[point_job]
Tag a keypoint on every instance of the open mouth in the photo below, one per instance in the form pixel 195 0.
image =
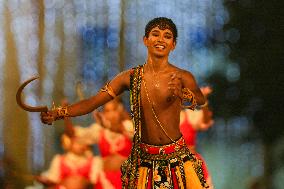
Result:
pixel 160 47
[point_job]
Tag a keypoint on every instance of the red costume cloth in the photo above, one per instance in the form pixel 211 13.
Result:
pixel 70 165
pixel 189 134
pixel 121 145
pixel 83 170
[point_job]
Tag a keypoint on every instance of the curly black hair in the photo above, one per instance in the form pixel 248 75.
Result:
pixel 162 23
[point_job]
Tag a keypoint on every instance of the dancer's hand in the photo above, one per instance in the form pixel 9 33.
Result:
pixel 207 90
pixel 48 117
pixel 175 85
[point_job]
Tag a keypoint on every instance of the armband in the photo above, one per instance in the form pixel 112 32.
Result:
pixel 188 99
pixel 109 90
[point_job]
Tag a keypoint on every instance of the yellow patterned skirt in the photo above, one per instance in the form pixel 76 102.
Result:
pixel 170 166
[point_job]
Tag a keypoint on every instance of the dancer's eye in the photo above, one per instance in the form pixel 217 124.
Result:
pixel 168 36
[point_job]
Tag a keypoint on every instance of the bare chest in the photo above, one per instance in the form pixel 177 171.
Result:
pixel 154 90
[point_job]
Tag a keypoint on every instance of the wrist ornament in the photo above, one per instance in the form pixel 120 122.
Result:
pixel 61 112
pixel 188 99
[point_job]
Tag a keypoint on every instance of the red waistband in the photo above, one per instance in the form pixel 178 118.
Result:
pixel 164 149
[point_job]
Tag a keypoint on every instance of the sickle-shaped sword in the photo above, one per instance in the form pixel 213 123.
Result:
pixel 22 104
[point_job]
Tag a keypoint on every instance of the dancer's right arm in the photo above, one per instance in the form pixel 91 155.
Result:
pixel 119 84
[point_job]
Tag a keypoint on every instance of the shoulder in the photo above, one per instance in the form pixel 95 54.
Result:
pixel 187 78
pixel 124 74
pixel 180 71
pixel 131 70
pixel 185 75
pixel 56 159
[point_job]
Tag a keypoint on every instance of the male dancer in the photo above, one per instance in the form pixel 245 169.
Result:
pixel 158 92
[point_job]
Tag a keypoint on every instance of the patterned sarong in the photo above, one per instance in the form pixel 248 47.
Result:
pixel 170 166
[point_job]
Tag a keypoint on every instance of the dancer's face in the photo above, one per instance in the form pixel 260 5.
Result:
pixel 112 112
pixel 160 42
pixel 77 147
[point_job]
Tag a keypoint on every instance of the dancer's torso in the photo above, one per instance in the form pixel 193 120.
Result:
pixel 166 107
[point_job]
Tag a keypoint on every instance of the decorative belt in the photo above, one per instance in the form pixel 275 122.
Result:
pixel 164 149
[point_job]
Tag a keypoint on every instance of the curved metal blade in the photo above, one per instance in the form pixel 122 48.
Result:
pixel 23 105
